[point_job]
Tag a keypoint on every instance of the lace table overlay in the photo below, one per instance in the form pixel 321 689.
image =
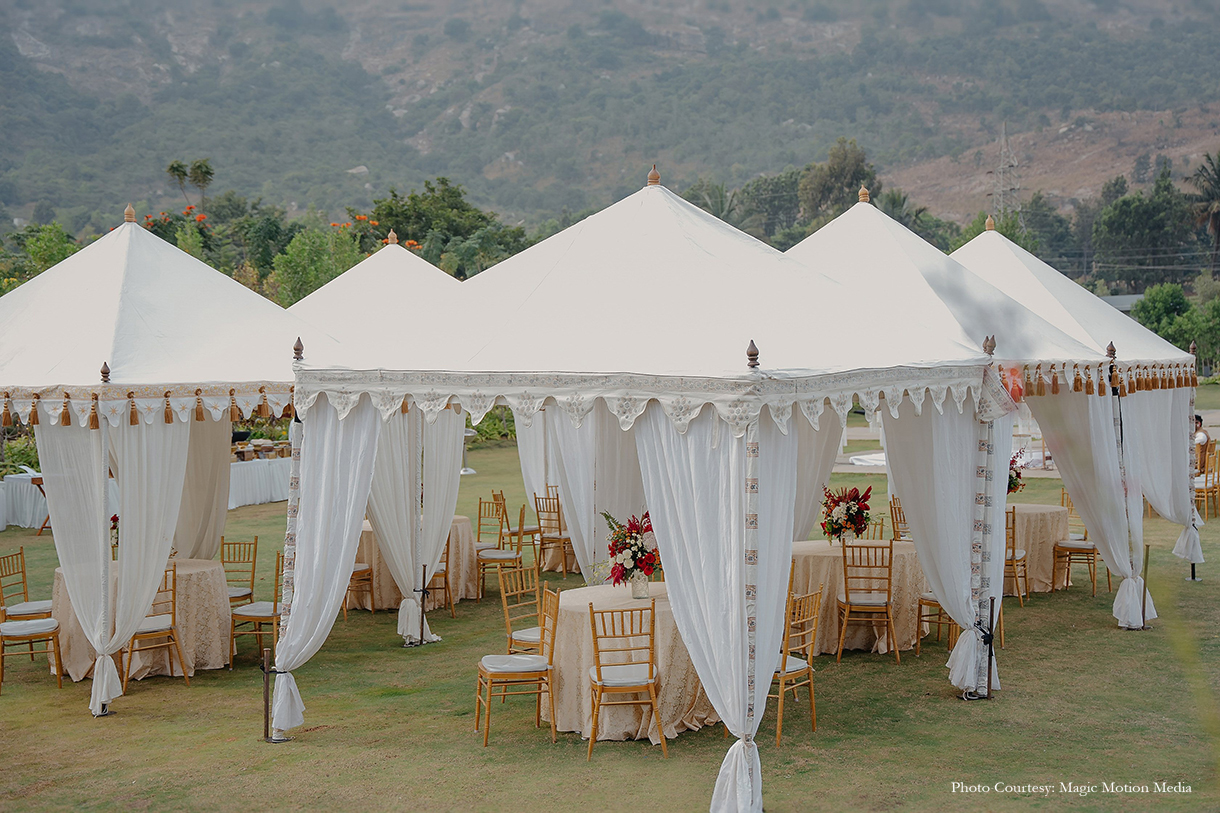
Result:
pixel 1039 527
pixel 387 596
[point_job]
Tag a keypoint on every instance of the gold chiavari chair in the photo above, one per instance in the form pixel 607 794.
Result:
pixel 15 593
pixel 1016 566
pixel 499 674
pixel 497 557
pixel 509 529
pixel 876 530
pixel 552 535
pixel 239 559
pixel 258 614
pixel 864 568
pixel 620 640
pixel 521 597
pixel 1076 527
pixel 159 629
pixel 931 613
pixel 1207 483
pixel 1075 550
pixel 489 533
pixel 898 521
pixel 28 631
pixel 796 654
pixel 552 491
pixel 440 582
pixel 361 581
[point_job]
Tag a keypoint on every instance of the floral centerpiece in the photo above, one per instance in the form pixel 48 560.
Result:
pixel 114 530
pixel 633 552
pixel 1015 483
pixel 844 511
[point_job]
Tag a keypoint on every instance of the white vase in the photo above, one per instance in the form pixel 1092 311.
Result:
pixel 639 584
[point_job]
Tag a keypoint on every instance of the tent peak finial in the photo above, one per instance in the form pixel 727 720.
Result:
pixel 105 373
pixel 752 355
pixel 129 214
pixel 990 224
pixel 1194 349
pixel 863 194
pixel 298 350
pixel 654 177
pixel 1111 353
pixel 392 238
pixel 989 345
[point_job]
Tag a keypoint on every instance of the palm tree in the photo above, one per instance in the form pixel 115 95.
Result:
pixel 896 204
pixel 201 177
pixel 178 173
pixel 1206 204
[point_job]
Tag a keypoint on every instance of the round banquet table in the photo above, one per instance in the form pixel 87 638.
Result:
pixel 203 624
pixel 464 570
pixel 816 561
pixel 1039 527
pixel 681 701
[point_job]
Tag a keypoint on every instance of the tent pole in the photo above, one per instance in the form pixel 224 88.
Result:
pixel 1144 595
pixel 266 694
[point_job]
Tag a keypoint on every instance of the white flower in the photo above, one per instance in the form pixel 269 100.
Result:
pixel 840 513
pixel 650 541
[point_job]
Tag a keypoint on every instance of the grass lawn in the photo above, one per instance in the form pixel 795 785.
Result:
pixel 1207 397
pixel 389 728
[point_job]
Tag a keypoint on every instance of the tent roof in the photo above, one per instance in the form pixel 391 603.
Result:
pixel 1070 307
pixel 379 299
pixel 651 295
pixel 159 318
pixel 899 266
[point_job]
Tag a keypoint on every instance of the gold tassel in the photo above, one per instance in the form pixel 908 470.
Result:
pixel 65 417
pixel 1088 381
pixel 1194 376
pixel 264 409
pixel 1102 390
pixel 289 410
pixel 404 405
pixel 34 411
pixel 1137 380
pixel 133 414
pixel 1077 384
pixel 1029 381
pixel 234 412
pixel 198 405
pixel 1122 384
pixel 6 418
pixel 1178 378
pixel 1041 385
pixel 93 421
pixel 1055 379
pixel 169 411
pixel 1153 380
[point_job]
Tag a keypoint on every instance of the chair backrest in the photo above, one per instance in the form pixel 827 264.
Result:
pixel 165 601
pixel 13 589
pixel 1010 531
pixel 802 628
pixel 550 523
pixel 491 521
pixel 1211 471
pixel 1075 523
pixel 279 580
pixel 624 636
pixel 552 491
pixel 521 596
pixel 867 566
pixel 521 533
pixel 876 529
pixel 549 622
pixel 898 520
pixel 239 559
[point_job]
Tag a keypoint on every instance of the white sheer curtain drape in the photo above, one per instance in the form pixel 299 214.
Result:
pixel 532 451
pixel 617 485
pixel 816 453
pixel 337 461
pixel 1161 426
pixel 1081 433
pixel 728 598
pixel 205 493
pixel 574 473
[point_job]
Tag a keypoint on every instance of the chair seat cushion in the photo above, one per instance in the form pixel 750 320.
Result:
pixel 1077 537
pixel 28 608
pixel 440 570
pixel 557 539
pixel 627 674
pixel 360 567
pixel 240 592
pixel 513 663
pixel 498 555
pixel 533 635
pixel 482 546
pixel 868 599
pixel 1075 544
pixel 1019 553
pixel 929 596
pixel 792 665
pixel 1201 482
pixel 259 609
pixel 36 626
pixel 155 623
pixel 529 529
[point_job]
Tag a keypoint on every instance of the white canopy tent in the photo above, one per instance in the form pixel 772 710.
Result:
pixel 132 356
pixel 646 310
pixel 1159 417
pixel 1029 347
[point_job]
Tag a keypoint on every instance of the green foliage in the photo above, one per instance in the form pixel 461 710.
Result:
pixel 496 429
pixel 1206 203
pixel 19 451
pixel 720 201
pixel 1008 224
pixel 48 245
pixel 828 189
pixel 1140 239
pixel 1051 231
pixel 190 240
pixel 1161 305
pixel 775 199
pixel 312 259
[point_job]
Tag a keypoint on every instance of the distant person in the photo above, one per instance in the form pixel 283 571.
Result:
pixel 1202 440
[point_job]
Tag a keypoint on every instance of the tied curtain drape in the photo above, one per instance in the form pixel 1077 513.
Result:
pixel 1081 432
pixel 1162 424
pixel 205 494
pixel 408 538
pixel 336 472
pixel 151 464
pixel 722 509
pixel 816 453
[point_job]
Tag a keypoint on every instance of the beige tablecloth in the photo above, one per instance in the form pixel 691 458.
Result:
pixel 681 701
pixel 551 561
pixel 1039 527
pixel 386 595
pixel 203 625
pixel 817 562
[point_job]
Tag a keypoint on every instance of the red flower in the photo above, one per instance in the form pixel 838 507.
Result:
pixel 200 218
pixel 335 224
pixel 362 217
pixel 374 222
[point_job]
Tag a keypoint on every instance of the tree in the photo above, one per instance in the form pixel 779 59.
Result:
pixel 1144 239
pixel 1008 224
pixel 43 213
pixel 190 240
pixel 178 173
pixel 1051 230
pixel 200 175
pixel 1142 168
pixel 312 259
pixel 827 190
pixel 1160 307
pixel 776 199
pixel 1206 204
pixel 48 245
pixel 719 201
pixel 898 205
